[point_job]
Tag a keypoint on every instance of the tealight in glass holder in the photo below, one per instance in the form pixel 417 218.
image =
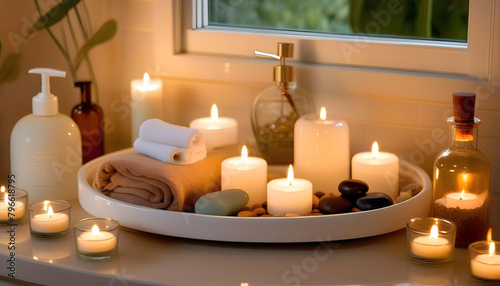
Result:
pixel 485 260
pixel 430 240
pixel 96 238
pixel 13 205
pixel 50 218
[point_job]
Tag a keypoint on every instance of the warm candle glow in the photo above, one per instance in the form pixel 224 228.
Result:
pixel 489 236
pixel 214 113
pixel 322 113
pixel 45 204
pixel 50 212
pixel 375 149
pixel 146 80
pixel 6 199
pixel 2 189
pixel 244 154
pixel 289 178
pixel 434 232
pixel 95 230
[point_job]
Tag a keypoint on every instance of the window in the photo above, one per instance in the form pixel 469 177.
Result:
pixel 471 58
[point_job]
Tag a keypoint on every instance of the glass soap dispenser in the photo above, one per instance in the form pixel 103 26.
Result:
pixel 89 118
pixel 275 110
pixel 462 176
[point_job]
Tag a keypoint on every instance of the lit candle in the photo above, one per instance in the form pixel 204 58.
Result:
pixel 15 208
pixel 146 102
pixel 246 173
pixel 431 246
pixel 380 170
pixel 463 200
pixel 321 151
pixel 50 222
pixel 486 266
pixel 289 195
pixel 217 131
pixel 96 241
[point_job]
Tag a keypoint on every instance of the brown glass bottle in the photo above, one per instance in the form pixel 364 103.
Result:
pixel 462 176
pixel 89 118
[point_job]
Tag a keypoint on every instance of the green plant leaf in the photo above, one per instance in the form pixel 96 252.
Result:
pixel 10 68
pixel 56 14
pixel 106 32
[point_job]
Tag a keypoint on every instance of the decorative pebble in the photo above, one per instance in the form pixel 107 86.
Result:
pixel 260 211
pixel 247 214
pixel 315 201
pixel 355 209
pixel 403 196
pixel 353 189
pixel 373 201
pixel 266 215
pixel 315 210
pixel 291 214
pixel 246 209
pixel 256 206
pixel 335 205
pixel 319 194
pixel 227 202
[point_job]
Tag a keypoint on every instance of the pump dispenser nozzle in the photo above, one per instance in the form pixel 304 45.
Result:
pixel 45 103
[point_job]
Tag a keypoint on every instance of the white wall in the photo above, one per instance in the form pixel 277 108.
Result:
pixel 400 120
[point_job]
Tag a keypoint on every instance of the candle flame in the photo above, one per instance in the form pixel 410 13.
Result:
pixel 146 80
pixel 244 154
pixel 489 236
pixel 434 232
pixel 462 195
pixel 322 113
pixel 50 212
pixel 95 230
pixel 214 113
pixel 2 189
pixel 375 149
pixel 289 178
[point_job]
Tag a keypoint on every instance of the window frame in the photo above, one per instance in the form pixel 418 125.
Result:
pixel 184 49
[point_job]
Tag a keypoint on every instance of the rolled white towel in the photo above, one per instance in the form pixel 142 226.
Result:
pixel 159 131
pixel 170 154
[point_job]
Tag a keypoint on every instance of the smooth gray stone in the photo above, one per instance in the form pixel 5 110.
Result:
pixel 334 205
pixel 226 202
pixel 353 189
pixel 373 201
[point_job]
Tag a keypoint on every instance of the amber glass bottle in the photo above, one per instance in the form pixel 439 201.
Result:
pixel 89 118
pixel 462 176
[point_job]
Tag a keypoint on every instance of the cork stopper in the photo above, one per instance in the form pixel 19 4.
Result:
pixel 463 107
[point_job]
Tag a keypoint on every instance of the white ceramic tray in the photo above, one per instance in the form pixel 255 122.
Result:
pixel 255 229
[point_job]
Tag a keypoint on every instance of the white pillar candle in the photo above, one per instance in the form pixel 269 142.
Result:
pixel 217 131
pixel 96 241
pixel 289 195
pixel 10 210
pixel 146 102
pixel 321 151
pixel 431 246
pixel 380 170
pixel 486 266
pixel 246 173
pixel 50 222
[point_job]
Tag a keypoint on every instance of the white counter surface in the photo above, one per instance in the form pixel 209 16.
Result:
pixel 148 259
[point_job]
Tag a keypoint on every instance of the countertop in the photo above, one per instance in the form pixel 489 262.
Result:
pixel 149 259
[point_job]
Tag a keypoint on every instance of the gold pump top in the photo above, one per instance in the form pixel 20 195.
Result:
pixel 282 72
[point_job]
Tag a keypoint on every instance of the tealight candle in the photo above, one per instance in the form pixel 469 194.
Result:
pixel 146 102
pixel 289 195
pixel 49 218
pixel 485 259
pixel 13 205
pixel 96 238
pixel 246 173
pixel 380 170
pixel 430 240
pixel 321 150
pixel 217 131
pixel 463 200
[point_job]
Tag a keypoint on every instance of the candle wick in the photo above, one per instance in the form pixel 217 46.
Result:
pixel 461 198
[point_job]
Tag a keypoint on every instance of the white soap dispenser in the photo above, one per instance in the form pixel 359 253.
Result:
pixel 45 148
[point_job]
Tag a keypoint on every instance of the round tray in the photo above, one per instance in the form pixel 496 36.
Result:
pixel 256 229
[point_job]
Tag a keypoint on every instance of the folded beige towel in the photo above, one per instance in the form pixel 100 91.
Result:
pixel 169 153
pixel 141 180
